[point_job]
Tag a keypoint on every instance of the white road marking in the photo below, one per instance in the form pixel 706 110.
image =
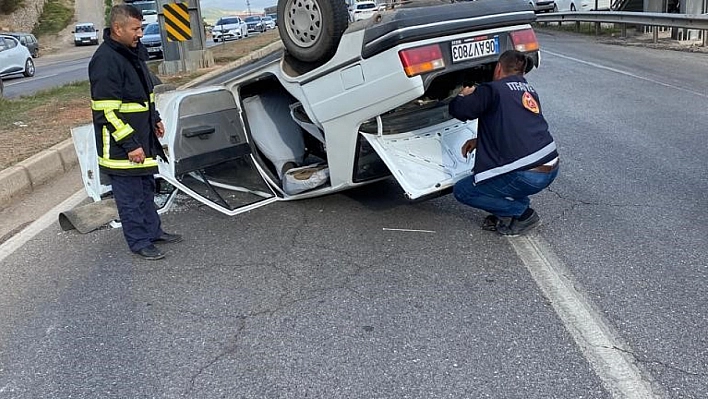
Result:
pixel 409 230
pixel 608 355
pixel 630 74
pixel 46 220
pixel 33 79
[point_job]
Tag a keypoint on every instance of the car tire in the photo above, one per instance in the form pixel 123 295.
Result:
pixel 29 68
pixel 311 29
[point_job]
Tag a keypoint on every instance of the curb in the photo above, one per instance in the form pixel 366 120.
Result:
pixel 23 177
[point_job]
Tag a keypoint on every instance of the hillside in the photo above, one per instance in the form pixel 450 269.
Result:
pixel 24 18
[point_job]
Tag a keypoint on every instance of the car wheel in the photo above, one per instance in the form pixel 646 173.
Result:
pixel 311 29
pixel 29 68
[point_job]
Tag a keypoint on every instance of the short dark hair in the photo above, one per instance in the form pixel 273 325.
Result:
pixel 121 12
pixel 515 62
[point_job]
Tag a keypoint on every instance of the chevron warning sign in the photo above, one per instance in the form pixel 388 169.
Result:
pixel 177 22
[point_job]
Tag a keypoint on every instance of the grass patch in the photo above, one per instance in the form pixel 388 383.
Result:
pixel 34 123
pixel 21 109
pixel 55 17
pixel 606 29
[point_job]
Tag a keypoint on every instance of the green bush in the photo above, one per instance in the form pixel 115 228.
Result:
pixel 9 6
pixel 108 4
pixel 54 18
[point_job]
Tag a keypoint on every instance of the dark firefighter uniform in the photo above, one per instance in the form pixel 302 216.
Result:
pixel 512 132
pixel 124 118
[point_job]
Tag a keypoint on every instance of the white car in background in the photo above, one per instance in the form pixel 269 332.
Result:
pixel 15 58
pixel 85 33
pixel 231 27
pixel 269 22
pixel 589 5
pixel 362 10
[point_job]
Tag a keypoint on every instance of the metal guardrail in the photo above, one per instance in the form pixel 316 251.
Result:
pixel 624 18
pixel 688 21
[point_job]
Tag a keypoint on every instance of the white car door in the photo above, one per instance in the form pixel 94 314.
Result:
pixel 427 160
pixel 210 156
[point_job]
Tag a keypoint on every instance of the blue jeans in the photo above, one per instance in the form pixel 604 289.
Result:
pixel 506 195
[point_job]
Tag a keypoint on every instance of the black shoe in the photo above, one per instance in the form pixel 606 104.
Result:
pixel 150 253
pixel 493 222
pixel 167 238
pixel 517 227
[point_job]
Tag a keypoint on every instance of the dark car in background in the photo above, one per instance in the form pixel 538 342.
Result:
pixel 26 39
pixel 152 40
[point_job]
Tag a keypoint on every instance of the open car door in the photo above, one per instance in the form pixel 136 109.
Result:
pixel 210 156
pixel 427 160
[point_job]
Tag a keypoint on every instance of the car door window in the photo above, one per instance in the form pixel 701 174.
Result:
pixel 3 46
pixel 9 43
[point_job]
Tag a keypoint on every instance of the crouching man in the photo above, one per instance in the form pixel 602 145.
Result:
pixel 516 155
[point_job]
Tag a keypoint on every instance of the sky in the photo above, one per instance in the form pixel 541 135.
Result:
pixel 237 5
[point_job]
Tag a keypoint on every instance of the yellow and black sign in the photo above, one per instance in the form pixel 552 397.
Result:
pixel 177 22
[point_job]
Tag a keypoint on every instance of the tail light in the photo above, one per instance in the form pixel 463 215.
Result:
pixel 421 59
pixel 524 40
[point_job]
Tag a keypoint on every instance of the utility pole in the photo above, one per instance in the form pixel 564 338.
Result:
pixel 248 5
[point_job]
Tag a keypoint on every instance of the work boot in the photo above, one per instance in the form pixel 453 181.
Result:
pixel 166 238
pixel 492 222
pixel 518 226
pixel 150 253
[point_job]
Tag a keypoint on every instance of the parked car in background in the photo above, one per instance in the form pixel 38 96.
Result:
pixel 362 10
pixel 255 23
pixel 567 5
pixel 275 18
pixel 28 40
pixel 269 22
pixel 85 33
pixel 231 27
pixel 543 5
pixel 15 58
pixel 589 5
pixel 152 40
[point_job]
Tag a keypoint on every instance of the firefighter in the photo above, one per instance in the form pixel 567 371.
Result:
pixel 516 155
pixel 127 128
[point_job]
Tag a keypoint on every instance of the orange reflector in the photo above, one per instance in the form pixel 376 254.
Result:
pixel 524 40
pixel 421 59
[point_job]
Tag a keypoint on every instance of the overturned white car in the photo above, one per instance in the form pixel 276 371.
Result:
pixel 291 129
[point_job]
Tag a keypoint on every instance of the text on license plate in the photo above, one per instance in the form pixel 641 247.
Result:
pixel 467 50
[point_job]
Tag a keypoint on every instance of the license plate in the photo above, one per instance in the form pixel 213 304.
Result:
pixel 154 49
pixel 467 49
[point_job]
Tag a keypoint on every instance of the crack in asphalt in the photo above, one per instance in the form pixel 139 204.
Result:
pixel 227 351
pixel 660 363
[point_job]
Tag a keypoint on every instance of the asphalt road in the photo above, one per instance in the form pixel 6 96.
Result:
pixel 327 298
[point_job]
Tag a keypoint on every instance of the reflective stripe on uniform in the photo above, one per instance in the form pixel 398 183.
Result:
pixel 106 139
pixel 112 105
pixel 102 105
pixel 134 107
pixel 126 164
